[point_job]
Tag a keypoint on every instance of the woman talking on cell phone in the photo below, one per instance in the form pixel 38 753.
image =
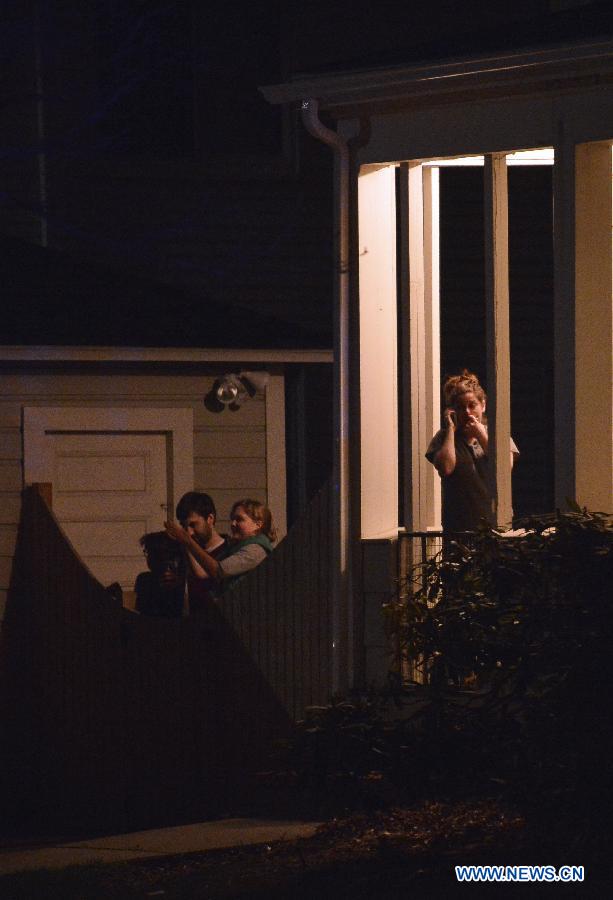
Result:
pixel 459 452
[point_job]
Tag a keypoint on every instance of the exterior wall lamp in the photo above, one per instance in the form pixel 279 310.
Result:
pixel 233 389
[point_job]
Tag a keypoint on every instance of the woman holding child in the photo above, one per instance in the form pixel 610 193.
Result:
pixel 253 535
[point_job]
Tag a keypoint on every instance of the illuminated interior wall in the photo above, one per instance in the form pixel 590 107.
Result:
pixel 378 368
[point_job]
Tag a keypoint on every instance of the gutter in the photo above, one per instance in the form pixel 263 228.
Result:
pixel 342 628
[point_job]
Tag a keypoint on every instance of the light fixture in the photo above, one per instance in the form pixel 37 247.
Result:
pixel 255 381
pixel 232 390
pixel 229 389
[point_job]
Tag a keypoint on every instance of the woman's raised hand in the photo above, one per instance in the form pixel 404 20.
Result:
pixel 449 418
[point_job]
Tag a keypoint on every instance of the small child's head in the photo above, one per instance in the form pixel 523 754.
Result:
pixel 164 558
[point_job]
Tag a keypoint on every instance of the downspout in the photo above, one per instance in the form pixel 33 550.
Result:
pixel 342 603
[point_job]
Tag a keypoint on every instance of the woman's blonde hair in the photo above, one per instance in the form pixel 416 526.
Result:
pixel 456 385
pixel 259 513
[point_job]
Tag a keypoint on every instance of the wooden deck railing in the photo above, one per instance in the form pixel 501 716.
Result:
pixel 417 547
pixel 282 610
pixel 113 721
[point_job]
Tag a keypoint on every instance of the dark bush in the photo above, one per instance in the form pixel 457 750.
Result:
pixel 527 621
pixel 511 638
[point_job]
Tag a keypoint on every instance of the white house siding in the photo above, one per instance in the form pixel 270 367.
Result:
pixel 229 447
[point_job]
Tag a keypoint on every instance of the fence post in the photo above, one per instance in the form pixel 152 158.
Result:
pixel 45 490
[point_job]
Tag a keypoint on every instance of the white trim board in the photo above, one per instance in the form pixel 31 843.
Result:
pixel 178 424
pixel 160 355
pixel 276 480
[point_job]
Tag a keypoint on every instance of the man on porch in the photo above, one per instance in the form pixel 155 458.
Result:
pixel 197 514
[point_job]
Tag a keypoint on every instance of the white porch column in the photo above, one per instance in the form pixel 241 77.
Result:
pixel 432 338
pixel 420 340
pixel 498 336
pixel 594 326
pixel 378 352
pixel 564 317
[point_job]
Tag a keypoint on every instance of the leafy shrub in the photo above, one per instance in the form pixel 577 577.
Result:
pixel 512 639
pixel 497 605
pixel 528 620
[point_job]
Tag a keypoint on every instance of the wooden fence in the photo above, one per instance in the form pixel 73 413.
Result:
pixel 282 611
pixel 114 721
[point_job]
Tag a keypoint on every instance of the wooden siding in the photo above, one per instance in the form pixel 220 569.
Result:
pixel 258 243
pixel 229 447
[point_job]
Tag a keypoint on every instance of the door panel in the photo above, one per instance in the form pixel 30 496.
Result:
pixel 108 490
pixel 108 473
pixel 99 539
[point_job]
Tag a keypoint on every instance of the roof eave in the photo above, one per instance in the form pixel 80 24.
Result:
pixel 338 91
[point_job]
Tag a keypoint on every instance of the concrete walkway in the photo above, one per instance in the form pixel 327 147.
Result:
pixel 203 836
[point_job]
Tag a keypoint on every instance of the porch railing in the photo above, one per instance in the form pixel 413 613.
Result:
pixel 415 549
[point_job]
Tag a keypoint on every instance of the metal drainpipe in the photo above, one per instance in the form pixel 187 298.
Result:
pixel 342 624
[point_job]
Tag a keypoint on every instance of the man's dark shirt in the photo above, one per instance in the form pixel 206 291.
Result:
pixel 204 591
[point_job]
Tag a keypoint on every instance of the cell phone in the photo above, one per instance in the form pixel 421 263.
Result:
pixel 452 416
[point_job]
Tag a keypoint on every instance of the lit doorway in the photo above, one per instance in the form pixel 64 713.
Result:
pixel 452 246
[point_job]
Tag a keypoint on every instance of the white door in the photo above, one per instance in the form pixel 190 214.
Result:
pixel 108 490
pixel 113 471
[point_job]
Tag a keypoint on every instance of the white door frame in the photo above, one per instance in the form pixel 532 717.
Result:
pixel 176 424
pixel 276 476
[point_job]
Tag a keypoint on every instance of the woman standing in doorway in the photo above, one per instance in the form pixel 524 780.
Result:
pixel 459 451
